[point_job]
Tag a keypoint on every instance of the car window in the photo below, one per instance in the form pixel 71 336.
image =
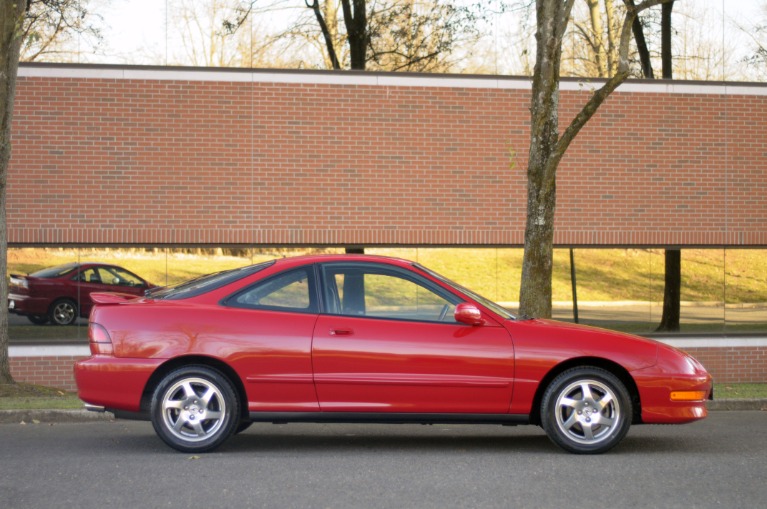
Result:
pixel 207 283
pixel 288 291
pixel 55 271
pixel 381 293
pixel 90 275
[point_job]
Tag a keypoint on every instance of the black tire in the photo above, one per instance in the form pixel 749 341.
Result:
pixel 586 410
pixel 195 409
pixel 63 312
pixel 38 319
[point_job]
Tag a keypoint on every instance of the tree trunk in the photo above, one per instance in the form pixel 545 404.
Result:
pixel 671 293
pixel 537 262
pixel 672 290
pixel 546 146
pixel 11 23
pixel 356 23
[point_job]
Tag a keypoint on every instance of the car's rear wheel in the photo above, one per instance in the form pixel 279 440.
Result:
pixel 195 409
pixel 586 410
pixel 63 312
pixel 38 319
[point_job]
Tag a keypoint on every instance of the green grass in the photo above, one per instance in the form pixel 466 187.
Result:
pixel 24 396
pixel 740 391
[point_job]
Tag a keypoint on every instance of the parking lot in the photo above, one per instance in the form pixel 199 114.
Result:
pixel 718 462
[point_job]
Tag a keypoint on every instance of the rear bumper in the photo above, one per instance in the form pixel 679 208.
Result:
pixel 26 305
pixel 113 383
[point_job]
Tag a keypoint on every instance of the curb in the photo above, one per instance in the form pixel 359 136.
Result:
pixel 72 416
pixel 52 416
pixel 737 404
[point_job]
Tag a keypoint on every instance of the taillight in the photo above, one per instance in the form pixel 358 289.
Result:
pixel 100 342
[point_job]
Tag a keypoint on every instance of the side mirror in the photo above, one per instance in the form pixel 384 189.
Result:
pixel 468 314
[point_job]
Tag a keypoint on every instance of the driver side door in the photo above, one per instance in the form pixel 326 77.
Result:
pixel 388 342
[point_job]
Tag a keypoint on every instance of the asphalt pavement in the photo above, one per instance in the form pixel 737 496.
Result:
pixel 717 462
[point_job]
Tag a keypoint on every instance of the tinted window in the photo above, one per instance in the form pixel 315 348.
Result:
pixel 288 291
pixel 375 292
pixel 55 271
pixel 204 284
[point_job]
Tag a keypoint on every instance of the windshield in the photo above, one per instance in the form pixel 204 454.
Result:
pixel 57 271
pixel 497 308
pixel 204 284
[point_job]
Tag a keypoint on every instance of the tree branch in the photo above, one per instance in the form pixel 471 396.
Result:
pixel 315 6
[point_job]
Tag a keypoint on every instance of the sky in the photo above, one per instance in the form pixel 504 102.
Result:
pixel 137 31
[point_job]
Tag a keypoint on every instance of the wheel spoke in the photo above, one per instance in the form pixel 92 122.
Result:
pixel 586 389
pixel 208 395
pixel 173 404
pixel 588 432
pixel 567 402
pixel 215 415
pixel 198 429
pixel 570 422
pixel 179 424
pixel 606 421
pixel 605 401
pixel 189 390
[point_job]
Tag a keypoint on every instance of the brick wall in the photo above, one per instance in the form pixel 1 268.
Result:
pixel 131 155
pixel 728 364
pixel 736 364
pixel 53 371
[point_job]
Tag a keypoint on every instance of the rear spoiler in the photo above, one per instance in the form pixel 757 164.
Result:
pixel 111 297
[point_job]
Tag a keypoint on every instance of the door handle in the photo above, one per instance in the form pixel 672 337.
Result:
pixel 341 332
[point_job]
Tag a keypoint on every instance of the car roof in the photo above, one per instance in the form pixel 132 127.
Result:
pixel 325 258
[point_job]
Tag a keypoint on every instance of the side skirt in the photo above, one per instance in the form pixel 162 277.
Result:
pixel 388 418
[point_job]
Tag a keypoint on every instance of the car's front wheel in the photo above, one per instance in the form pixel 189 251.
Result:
pixel 586 410
pixel 63 312
pixel 195 409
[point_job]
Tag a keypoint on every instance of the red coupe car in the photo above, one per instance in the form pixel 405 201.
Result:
pixel 61 294
pixel 355 338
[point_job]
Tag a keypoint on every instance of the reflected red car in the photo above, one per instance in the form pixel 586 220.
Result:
pixel 60 294
pixel 355 338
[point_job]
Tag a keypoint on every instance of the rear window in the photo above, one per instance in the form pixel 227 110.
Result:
pixel 204 284
pixel 57 271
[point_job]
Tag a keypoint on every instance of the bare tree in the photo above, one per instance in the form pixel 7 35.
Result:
pixel 547 147
pixel 11 37
pixel 389 35
pixel 55 30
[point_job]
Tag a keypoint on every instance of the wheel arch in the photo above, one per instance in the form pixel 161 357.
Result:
pixel 194 360
pixel 616 369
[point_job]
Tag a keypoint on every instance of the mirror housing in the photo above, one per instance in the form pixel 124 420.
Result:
pixel 468 314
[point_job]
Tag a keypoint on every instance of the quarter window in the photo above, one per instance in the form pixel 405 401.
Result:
pixel 291 291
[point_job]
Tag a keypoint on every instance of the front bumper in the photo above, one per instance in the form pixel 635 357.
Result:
pixel 658 407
